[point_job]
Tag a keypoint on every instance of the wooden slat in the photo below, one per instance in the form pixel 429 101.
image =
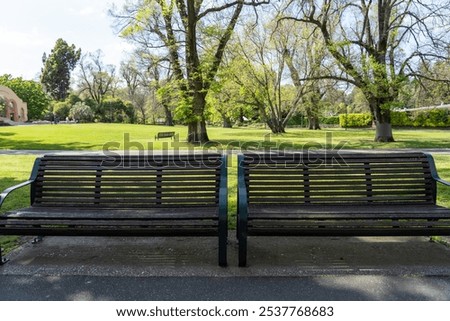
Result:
pixel 112 223
pixel 118 214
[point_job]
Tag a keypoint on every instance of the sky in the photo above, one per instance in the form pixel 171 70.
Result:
pixel 28 28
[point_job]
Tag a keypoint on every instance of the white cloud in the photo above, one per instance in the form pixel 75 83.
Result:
pixel 85 11
pixel 84 23
pixel 12 39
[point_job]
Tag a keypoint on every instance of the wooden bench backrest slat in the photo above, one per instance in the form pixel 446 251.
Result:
pixel 128 182
pixel 331 178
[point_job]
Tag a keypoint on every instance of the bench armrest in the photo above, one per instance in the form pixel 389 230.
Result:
pixel 33 176
pixel 442 181
pixel 223 191
pixel 242 193
pixel 7 191
pixel 434 172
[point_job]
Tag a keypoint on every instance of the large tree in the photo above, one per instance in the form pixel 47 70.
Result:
pixel 193 35
pixel 96 78
pixel 58 66
pixel 378 44
pixel 137 87
pixel 260 70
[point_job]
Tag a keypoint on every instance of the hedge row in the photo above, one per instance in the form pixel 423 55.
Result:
pixel 355 120
pixel 426 118
pixel 332 120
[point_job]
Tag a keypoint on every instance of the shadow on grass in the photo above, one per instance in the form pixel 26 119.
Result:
pixel 42 145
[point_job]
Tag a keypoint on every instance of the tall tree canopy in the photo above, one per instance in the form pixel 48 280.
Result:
pixel 57 68
pixel 96 78
pixel 379 44
pixel 193 35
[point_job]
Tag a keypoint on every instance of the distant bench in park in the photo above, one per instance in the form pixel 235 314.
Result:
pixel 165 135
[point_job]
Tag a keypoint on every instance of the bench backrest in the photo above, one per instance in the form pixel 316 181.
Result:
pixel 332 178
pixel 129 181
pixel 165 134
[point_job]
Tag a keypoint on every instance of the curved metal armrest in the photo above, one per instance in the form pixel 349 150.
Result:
pixel 242 191
pixel 442 181
pixel 434 172
pixel 7 191
pixel 223 191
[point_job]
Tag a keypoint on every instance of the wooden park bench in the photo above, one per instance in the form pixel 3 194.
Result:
pixel 165 195
pixel 165 135
pixel 330 194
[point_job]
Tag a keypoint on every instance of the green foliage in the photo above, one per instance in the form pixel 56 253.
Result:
pixel 115 110
pixel 30 92
pixel 81 112
pixel 61 109
pixel 297 120
pixel 400 119
pixel 355 120
pixel 332 120
pixel 72 99
pixel 57 68
pixel 425 118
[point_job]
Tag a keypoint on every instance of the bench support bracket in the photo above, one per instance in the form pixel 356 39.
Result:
pixel 2 259
pixel 37 239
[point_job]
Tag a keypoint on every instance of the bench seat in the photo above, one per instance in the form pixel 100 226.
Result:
pixel 106 222
pixel 342 220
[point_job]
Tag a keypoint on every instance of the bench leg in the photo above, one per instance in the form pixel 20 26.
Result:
pixel 37 239
pixel 2 259
pixel 223 240
pixel 223 251
pixel 243 250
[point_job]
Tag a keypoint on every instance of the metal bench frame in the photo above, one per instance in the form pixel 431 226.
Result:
pixel 86 195
pixel 305 200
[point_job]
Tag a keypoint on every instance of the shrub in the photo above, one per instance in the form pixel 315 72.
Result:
pixel 61 109
pixel 332 120
pixel 401 119
pixel 423 118
pixel 355 120
pixel 81 112
pixel 297 119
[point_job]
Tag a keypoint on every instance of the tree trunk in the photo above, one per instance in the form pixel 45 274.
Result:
pixel 226 122
pixel 276 127
pixel 382 118
pixel 314 123
pixel 383 132
pixel 197 133
pixel 169 117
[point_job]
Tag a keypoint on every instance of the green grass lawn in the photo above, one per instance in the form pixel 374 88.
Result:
pixel 16 168
pixel 124 136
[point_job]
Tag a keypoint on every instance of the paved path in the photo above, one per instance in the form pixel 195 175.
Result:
pixel 294 268
pixel 322 288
